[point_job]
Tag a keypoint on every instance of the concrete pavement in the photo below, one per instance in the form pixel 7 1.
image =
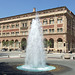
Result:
pixel 64 62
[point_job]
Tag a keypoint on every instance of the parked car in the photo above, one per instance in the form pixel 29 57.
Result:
pixel 4 49
pixel 10 49
pixel 70 51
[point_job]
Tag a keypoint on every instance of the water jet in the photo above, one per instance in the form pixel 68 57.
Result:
pixel 35 54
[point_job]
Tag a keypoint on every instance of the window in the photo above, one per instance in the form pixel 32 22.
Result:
pixel 59 20
pixel 22 24
pixel 7 34
pixel 7 27
pixel 26 32
pixel 3 27
pixel 17 33
pixel 51 30
pixel 45 31
pixel 3 34
pixel 51 21
pixel 23 33
pixel 17 25
pixel 59 29
pixel 12 26
pixel 59 40
pixel 44 21
pixel 12 33
pixel 25 24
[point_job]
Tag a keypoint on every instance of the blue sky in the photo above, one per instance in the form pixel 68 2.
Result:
pixel 16 7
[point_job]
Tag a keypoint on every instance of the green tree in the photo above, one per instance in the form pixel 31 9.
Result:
pixel 3 43
pixel 45 43
pixel 7 43
pixel 23 44
pixel 11 42
pixel 49 43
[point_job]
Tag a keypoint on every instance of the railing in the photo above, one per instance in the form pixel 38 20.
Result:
pixel 24 28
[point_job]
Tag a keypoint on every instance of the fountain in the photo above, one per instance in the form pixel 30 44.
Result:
pixel 35 54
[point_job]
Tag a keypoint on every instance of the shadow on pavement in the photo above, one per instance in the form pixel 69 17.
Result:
pixel 10 69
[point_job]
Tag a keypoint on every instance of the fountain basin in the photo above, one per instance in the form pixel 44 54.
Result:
pixel 33 69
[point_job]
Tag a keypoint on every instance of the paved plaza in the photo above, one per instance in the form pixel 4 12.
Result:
pixel 70 64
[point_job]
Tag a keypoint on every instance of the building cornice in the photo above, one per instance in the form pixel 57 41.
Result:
pixel 31 17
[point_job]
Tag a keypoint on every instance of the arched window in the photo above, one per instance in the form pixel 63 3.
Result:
pixel 59 29
pixel 45 43
pixel 60 43
pixel 51 43
pixel 59 40
pixel 51 21
pixel 24 24
pixel 59 20
pixel 45 21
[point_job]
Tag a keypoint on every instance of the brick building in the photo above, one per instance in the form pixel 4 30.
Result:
pixel 58 29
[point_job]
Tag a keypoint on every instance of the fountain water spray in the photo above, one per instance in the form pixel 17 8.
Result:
pixel 35 54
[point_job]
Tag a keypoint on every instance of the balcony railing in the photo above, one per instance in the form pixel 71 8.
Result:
pixel 24 28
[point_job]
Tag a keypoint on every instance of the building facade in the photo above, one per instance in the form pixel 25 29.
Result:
pixel 58 29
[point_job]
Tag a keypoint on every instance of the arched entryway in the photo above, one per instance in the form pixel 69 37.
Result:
pixel 16 43
pixel 7 43
pixel 51 43
pixel 23 44
pixel 60 42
